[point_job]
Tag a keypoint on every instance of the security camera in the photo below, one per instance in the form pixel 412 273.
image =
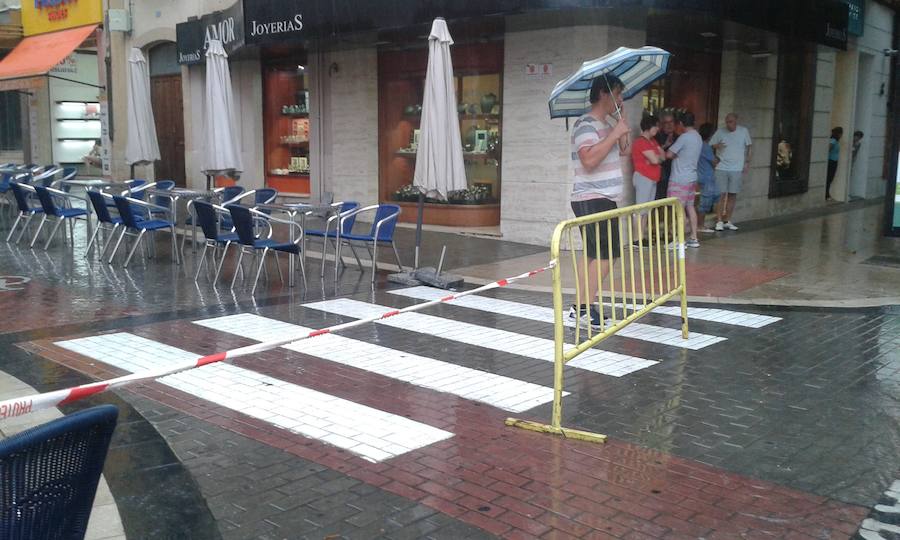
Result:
pixel 891 52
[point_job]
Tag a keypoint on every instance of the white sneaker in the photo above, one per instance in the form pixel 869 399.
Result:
pixel 707 230
pixel 731 226
pixel 720 226
pixel 691 243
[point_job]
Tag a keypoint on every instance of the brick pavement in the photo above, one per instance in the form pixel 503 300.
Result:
pixel 510 482
pixel 785 431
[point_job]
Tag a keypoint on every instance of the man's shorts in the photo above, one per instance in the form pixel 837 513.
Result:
pixel 708 203
pixel 685 193
pixel 589 232
pixel 729 181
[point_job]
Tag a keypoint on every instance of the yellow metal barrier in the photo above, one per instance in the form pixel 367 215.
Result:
pixel 654 270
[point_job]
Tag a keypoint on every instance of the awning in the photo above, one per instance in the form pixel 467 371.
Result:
pixel 36 55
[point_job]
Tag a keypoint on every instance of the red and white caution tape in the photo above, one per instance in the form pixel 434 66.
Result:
pixel 28 404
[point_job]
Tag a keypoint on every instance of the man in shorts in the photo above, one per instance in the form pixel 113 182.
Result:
pixel 685 154
pixel 734 150
pixel 597 184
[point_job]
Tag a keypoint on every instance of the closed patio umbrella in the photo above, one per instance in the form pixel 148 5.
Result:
pixel 439 156
pixel 221 151
pixel 142 145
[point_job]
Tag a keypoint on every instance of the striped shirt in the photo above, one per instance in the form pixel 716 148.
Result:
pixel 603 181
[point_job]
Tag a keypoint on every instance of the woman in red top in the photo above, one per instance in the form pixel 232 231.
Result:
pixel 647 156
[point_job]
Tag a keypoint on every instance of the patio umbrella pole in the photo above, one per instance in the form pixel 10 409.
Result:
pixel 420 212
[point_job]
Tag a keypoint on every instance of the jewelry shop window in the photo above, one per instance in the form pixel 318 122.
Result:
pixel 478 77
pixel 286 126
pixel 792 137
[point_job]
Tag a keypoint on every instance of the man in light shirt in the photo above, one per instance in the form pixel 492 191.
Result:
pixel 734 149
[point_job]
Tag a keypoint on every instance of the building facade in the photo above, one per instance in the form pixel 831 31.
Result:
pixel 327 94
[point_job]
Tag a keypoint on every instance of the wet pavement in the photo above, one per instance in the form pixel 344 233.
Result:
pixel 784 426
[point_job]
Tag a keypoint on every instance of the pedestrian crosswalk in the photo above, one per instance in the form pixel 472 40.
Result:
pixel 595 360
pixel 643 332
pixel 367 431
pixel 501 392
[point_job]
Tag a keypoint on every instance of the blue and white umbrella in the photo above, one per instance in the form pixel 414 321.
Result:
pixel 637 69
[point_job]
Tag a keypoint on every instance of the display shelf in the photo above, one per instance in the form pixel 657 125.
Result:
pixel 77 138
pixel 77 119
pixel 291 175
pixel 478 78
pixel 296 115
pixel 486 156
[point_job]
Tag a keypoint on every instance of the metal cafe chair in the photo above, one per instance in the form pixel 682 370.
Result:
pixel 208 218
pixel 345 209
pixel 22 193
pixel 105 221
pixel 244 219
pixel 382 232
pixel 131 222
pixel 60 212
pixel 49 475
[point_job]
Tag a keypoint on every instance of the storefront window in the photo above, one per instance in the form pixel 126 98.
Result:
pixel 286 125
pixel 11 127
pixel 479 91
pixel 792 138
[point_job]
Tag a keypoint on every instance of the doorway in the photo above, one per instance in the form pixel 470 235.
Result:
pixel 859 157
pixel 695 68
pixel 168 113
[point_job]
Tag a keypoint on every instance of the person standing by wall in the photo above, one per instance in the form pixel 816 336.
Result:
pixel 834 154
pixel 706 174
pixel 685 154
pixel 734 149
pixel 666 137
pixel 648 157
pixel 597 183
pixel 857 142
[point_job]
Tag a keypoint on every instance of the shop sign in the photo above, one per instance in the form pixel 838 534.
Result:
pixel 857 17
pixel 193 37
pixel 79 67
pixel 270 21
pixel 42 16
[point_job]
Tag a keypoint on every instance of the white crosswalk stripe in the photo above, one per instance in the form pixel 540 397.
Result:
pixel 502 392
pixel 370 433
pixel 595 360
pixel 644 332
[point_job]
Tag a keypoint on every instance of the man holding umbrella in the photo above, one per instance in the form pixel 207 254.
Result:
pixel 598 180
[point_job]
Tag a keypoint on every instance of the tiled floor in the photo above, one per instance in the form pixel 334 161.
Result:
pixel 645 332
pixel 503 392
pixel 597 361
pixel 367 432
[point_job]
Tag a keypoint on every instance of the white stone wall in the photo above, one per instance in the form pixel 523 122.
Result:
pixel 350 125
pixel 876 37
pixel 536 168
